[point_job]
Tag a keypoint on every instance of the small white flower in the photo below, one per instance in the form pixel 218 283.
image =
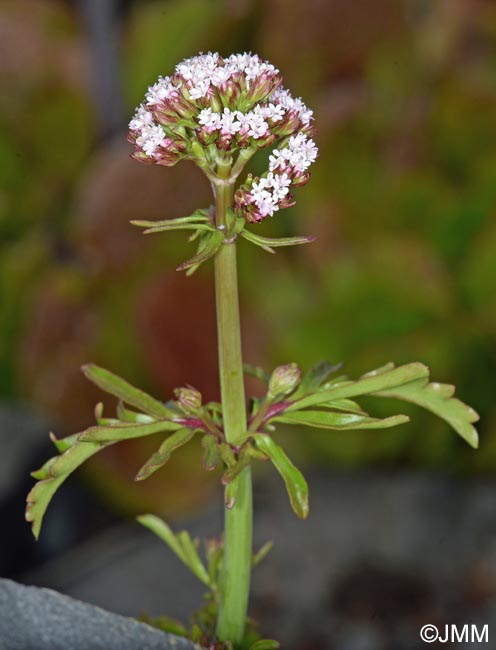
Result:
pixel 229 122
pixel 209 119
pixel 150 138
pixel 160 91
pixel 258 126
pixel 141 119
pixel 220 75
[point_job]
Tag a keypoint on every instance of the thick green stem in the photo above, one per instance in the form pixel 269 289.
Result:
pixel 238 520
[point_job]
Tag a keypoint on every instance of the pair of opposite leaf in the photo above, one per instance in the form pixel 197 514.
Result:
pixel 315 400
pixel 211 238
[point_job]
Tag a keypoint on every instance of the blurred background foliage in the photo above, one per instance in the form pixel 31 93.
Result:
pixel 402 201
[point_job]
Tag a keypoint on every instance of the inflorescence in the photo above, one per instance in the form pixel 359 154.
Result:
pixel 219 111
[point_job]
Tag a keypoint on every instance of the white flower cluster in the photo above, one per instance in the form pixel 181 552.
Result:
pixel 150 136
pixel 297 156
pixel 268 192
pixel 287 167
pixel 212 107
pixel 253 124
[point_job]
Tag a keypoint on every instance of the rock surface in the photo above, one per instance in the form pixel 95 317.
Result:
pixel 41 619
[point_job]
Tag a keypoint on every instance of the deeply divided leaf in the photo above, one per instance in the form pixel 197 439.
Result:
pixel 52 475
pixel 294 480
pixel 162 455
pixel 124 391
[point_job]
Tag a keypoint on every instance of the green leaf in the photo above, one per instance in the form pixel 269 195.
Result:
pixel 256 371
pixel 235 470
pixel 294 480
pixel 231 493
pixel 125 415
pixel 261 554
pixel 377 380
pixel 162 530
pixel 120 388
pixel 201 216
pixel 347 405
pixel 215 553
pixel 126 431
pixel 268 243
pixel 53 473
pixel 193 560
pixel 265 644
pixel 63 444
pixel 180 226
pixel 207 249
pixel 338 421
pixel 181 544
pixel 438 398
pixel 315 377
pixel 160 457
pixel 211 455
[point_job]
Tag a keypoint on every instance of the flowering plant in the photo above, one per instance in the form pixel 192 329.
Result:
pixel 218 112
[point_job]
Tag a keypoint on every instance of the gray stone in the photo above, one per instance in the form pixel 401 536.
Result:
pixel 21 431
pixel 42 619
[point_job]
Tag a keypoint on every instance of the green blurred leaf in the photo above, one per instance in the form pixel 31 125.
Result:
pixel 125 415
pixel 235 470
pixel 262 553
pixel 315 377
pixel 207 249
pixel 268 243
pixel 339 421
pixel 160 457
pixel 193 560
pixel 438 398
pixel 116 432
pixel 52 475
pixel 181 544
pixel 256 371
pixel 265 644
pixel 211 454
pixel 231 493
pixel 294 480
pixel 372 382
pixel 120 388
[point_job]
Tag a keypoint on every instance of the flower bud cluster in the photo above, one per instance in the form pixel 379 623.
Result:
pixel 211 109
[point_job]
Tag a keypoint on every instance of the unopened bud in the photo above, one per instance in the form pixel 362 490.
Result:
pixel 284 380
pixel 189 399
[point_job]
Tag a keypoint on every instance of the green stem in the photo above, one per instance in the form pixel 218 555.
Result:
pixel 238 520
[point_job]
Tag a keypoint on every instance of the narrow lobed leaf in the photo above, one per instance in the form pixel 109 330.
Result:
pixel 312 380
pixel 124 391
pixel 269 243
pixel 197 227
pixel 294 480
pixel 370 383
pixel 256 371
pixel 162 530
pixel 206 250
pixel 125 415
pixel 193 560
pixel 438 398
pixel 235 470
pixel 53 473
pixel 262 553
pixel 231 493
pixel 126 431
pixel 160 457
pixel 265 644
pixel 211 455
pixel 338 421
